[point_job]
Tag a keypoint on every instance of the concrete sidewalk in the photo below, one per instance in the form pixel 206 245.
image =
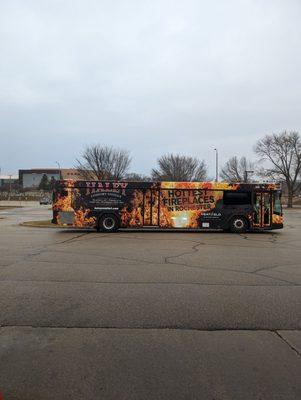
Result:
pixel 19 203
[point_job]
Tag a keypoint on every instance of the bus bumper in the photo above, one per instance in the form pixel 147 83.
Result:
pixel 277 226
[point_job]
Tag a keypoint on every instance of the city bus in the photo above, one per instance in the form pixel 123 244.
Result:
pixel 110 205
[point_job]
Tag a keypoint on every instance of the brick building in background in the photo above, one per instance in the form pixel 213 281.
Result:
pixel 31 178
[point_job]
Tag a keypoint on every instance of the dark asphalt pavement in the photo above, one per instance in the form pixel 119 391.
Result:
pixel 148 315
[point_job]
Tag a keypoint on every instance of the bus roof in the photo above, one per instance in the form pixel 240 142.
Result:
pixel 169 185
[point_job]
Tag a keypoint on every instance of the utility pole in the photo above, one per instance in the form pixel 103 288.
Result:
pixel 9 193
pixel 246 175
pixel 59 165
pixel 216 165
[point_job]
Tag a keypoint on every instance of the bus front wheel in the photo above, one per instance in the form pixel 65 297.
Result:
pixel 108 223
pixel 238 225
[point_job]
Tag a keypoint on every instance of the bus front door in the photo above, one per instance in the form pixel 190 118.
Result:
pixel 151 207
pixel 262 210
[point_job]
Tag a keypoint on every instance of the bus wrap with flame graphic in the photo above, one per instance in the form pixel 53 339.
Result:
pixel 190 205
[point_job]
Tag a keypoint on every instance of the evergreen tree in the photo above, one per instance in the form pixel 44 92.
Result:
pixel 51 183
pixel 44 184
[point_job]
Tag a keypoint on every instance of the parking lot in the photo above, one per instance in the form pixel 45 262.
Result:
pixel 148 315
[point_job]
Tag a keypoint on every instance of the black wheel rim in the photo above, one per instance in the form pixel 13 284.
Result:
pixel 108 223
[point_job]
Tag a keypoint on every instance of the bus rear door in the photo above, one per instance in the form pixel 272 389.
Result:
pixel 262 210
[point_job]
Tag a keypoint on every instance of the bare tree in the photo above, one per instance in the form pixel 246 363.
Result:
pixel 237 169
pixel 174 167
pixel 103 163
pixel 283 151
pixel 134 177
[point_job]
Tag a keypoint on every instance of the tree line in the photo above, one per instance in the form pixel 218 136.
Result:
pixel 280 153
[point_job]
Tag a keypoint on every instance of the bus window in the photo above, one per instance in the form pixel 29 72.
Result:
pixel 277 204
pixel 237 198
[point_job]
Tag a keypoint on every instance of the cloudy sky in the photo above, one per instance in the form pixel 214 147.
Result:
pixel 154 77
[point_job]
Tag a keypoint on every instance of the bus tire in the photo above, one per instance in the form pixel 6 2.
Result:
pixel 238 224
pixel 108 223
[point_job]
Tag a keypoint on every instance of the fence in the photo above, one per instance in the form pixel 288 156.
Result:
pixel 24 196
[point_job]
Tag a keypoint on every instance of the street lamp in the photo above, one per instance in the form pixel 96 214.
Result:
pixel 246 174
pixel 216 165
pixel 9 193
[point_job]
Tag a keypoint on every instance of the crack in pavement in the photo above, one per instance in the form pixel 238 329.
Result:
pixel 185 265
pixel 96 282
pixel 147 239
pixel 71 239
pixel 157 328
pixel 43 249
pixel 111 257
pixel 194 249
pixel 287 342
pixel 277 279
pixel 167 261
pixel 265 269
pixel 233 269
pixel 204 240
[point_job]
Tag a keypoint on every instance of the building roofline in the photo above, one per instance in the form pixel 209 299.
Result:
pixel 39 170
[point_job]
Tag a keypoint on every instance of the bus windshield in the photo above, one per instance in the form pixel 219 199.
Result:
pixel 277 203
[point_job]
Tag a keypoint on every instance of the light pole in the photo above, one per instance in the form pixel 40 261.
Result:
pixel 246 175
pixel 9 193
pixel 59 165
pixel 216 165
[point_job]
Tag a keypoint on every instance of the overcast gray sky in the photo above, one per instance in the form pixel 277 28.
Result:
pixel 150 76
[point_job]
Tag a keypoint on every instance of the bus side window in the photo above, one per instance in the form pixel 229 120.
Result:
pixel 237 198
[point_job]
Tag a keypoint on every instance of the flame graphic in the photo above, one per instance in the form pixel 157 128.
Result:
pixel 277 219
pixel 63 203
pixel 141 206
pixel 82 220
pixel 134 216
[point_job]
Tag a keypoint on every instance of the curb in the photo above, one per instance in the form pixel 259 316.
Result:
pixel 36 224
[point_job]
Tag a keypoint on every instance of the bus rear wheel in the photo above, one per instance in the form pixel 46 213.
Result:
pixel 108 223
pixel 238 225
